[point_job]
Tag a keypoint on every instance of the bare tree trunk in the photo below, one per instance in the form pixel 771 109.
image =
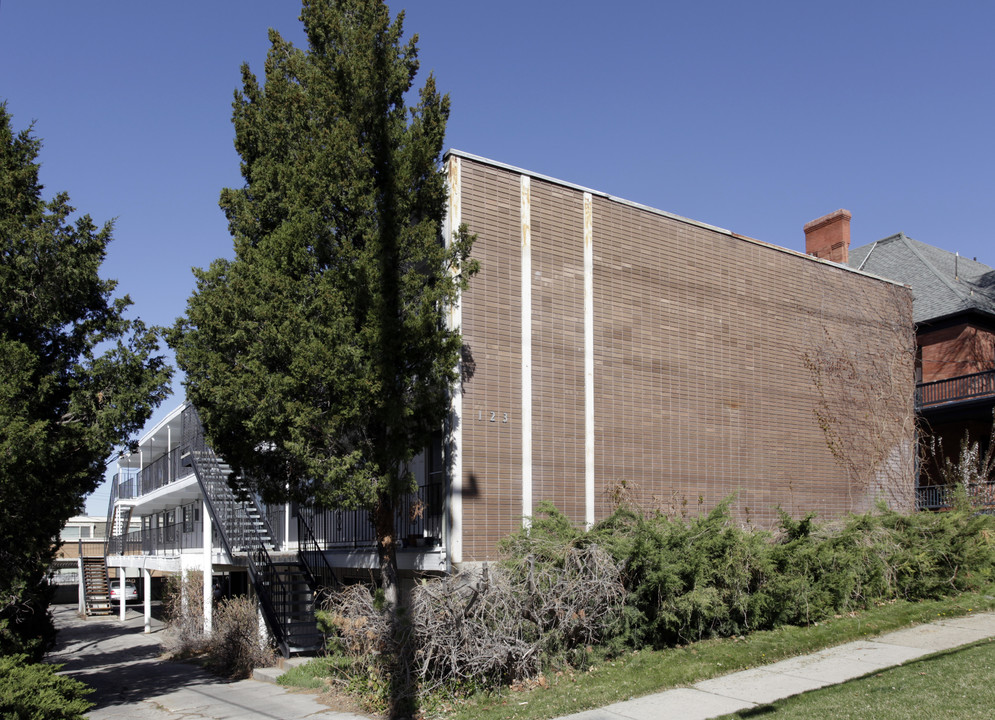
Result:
pixel 398 658
pixel 383 523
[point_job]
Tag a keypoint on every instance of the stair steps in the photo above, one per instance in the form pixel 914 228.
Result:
pixel 293 600
pixel 288 600
pixel 97 597
pixel 121 522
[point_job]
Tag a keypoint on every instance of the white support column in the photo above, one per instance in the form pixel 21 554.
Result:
pixel 588 360
pixel 120 594
pixel 147 597
pixel 208 567
pixel 263 630
pixel 526 279
pixel 455 322
pixel 286 526
pixel 82 586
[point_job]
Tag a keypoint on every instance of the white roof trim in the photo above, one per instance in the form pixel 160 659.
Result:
pixel 664 213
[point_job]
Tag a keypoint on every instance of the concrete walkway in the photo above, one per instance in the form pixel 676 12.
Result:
pixel 122 663
pixel 760 686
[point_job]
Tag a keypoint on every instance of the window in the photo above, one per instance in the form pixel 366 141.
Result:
pixel 76 532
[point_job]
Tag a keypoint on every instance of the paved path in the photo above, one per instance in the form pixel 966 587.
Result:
pixel 760 686
pixel 122 663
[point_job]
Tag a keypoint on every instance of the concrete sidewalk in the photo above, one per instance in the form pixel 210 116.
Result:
pixel 130 680
pixel 759 686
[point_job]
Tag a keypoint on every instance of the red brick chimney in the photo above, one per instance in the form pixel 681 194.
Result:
pixel 829 236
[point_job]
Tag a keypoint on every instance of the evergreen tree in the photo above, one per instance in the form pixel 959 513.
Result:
pixel 76 379
pixel 318 358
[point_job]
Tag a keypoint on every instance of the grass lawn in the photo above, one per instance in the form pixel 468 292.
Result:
pixel 647 671
pixel 954 685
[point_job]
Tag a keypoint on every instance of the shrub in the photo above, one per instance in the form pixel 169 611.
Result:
pixel 687 579
pixel 26 626
pixel 33 691
pixel 514 621
pixel 359 626
pixel 183 613
pixel 235 646
pixel 640 579
pixel 476 630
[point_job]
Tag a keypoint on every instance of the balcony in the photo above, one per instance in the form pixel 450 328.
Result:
pixel 941 497
pixel 166 469
pixel 418 522
pixel 171 539
pixel 956 389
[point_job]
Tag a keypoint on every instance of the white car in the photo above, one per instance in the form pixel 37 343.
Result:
pixel 130 590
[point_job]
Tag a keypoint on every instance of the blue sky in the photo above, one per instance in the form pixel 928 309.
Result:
pixel 756 117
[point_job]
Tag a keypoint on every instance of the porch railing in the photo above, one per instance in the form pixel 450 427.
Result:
pixel 962 387
pixel 941 497
pixel 161 471
pixel 170 539
pixel 418 522
pixel 81 548
pixel 321 577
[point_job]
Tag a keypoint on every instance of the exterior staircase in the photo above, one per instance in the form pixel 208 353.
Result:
pixel 118 525
pixel 281 585
pixel 293 601
pixel 121 519
pixel 97 598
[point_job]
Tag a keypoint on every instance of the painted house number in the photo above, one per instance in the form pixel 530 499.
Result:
pixel 492 416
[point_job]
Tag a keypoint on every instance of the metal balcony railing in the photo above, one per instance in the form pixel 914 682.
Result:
pixel 953 389
pixel 170 539
pixel 418 522
pixel 941 497
pixel 81 548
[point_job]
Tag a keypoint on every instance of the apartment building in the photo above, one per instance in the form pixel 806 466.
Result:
pixel 614 353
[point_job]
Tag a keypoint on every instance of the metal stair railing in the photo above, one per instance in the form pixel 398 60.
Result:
pixel 231 520
pixel 109 529
pixel 319 572
pixel 241 531
pixel 119 521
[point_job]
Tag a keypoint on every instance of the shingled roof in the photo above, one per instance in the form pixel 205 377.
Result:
pixel 942 283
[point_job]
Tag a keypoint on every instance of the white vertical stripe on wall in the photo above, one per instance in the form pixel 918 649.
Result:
pixel 588 360
pixel 526 213
pixel 451 225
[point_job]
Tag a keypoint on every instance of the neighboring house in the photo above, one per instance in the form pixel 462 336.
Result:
pixel 86 528
pixel 954 313
pixel 82 538
pixel 613 354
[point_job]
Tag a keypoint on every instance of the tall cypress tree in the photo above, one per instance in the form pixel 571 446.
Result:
pixel 76 378
pixel 318 357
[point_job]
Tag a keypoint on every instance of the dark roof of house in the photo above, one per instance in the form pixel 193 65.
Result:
pixel 942 283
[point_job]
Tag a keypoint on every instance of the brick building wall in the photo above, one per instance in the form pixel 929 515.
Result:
pixel 697 349
pixel 961 349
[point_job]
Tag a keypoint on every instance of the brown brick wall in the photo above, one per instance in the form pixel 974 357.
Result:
pixel 558 347
pixel 959 350
pixel 492 328
pixel 701 382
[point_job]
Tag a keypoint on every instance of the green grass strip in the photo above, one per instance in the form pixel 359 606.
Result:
pixel 953 685
pixel 646 671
